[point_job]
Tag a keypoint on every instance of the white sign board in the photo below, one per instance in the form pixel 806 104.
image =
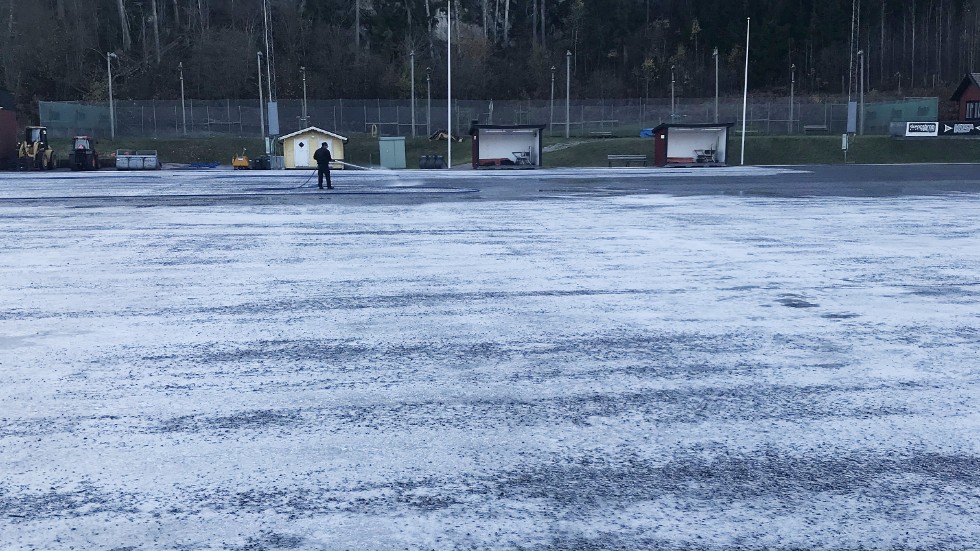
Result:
pixel 921 129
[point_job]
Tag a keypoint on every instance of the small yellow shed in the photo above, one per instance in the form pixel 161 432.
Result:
pixel 298 148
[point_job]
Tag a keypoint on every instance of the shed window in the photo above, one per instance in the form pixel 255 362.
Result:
pixel 973 110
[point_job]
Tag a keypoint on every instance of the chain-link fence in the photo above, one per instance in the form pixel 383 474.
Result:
pixel 195 118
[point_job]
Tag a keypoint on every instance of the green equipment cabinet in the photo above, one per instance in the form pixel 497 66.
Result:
pixel 392 152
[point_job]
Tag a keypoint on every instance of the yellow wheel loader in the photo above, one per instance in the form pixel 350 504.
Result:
pixel 34 152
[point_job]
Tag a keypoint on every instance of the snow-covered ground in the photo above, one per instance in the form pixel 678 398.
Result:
pixel 623 372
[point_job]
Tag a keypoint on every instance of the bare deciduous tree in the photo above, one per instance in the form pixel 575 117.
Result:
pixel 127 39
pixel 156 29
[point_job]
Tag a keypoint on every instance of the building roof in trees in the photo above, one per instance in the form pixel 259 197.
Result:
pixel 970 78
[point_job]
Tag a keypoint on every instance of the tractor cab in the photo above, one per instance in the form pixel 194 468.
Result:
pixel 81 142
pixel 83 155
pixel 36 135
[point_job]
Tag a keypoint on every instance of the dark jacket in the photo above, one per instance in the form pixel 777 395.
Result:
pixel 323 157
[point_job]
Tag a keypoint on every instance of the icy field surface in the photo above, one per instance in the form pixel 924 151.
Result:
pixel 628 372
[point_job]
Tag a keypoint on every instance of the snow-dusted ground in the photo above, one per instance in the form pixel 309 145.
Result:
pixel 624 372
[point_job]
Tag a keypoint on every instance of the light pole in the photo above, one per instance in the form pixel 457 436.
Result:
pixel 672 112
pixel 551 117
pixel 112 108
pixel 792 90
pixel 745 93
pixel 268 52
pixel 412 55
pixel 258 59
pixel 183 110
pixel 861 114
pixel 449 85
pixel 428 101
pixel 715 54
pixel 273 116
pixel 568 93
pixel 305 117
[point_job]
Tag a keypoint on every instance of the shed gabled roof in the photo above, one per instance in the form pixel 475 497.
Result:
pixel 719 125
pixel 475 127
pixel 314 129
pixel 970 78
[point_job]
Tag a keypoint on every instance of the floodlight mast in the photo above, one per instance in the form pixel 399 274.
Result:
pixel 449 84
pixel 112 107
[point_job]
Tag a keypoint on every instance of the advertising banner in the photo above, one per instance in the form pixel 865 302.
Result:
pixel 959 128
pixel 921 129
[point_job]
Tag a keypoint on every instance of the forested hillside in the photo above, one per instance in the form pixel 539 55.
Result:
pixel 55 49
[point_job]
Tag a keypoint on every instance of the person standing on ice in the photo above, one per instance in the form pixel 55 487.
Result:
pixel 323 160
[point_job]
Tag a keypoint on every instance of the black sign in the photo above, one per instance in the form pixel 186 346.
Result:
pixel 959 128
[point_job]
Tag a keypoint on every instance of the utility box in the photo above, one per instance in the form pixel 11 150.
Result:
pixel 392 152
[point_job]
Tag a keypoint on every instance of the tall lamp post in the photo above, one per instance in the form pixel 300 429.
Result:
pixel 428 101
pixel 745 93
pixel 861 113
pixel 568 93
pixel 672 111
pixel 792 90
pixel 112 107
pixel 449 84
pixel 551 117
pixel 305 116
pixel 715 54
pixel 273 122
pixel 412 55
pixel 258 59
pixel 183 110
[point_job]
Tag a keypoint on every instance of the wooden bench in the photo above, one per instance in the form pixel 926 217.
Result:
pixel 627 159
pixel 815 128
pixel 601 134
